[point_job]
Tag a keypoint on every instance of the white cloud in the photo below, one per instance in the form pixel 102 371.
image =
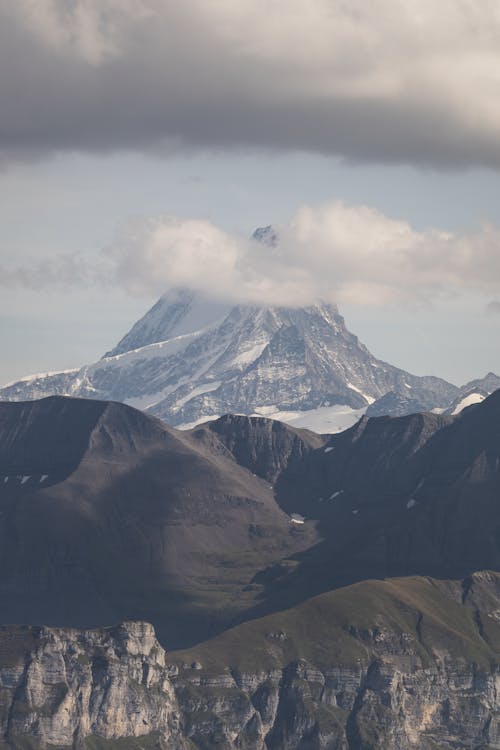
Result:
pixel 348 254
pixel 339 252
pixel 386 80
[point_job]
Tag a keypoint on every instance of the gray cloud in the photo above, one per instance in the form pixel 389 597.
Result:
pixel 493 308
pixel 334 251
pixel 387 81
pixel 61 271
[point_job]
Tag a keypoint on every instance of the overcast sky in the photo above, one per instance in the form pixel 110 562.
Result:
pixel 141 142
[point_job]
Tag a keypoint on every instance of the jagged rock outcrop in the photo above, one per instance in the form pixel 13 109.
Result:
pixel 59 687
pixel 401 665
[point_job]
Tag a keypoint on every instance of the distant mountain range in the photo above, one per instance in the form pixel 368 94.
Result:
pixel 190 359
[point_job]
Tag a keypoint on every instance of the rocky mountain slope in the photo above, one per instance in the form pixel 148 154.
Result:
pixel 391 665
pixel 254 548
pixel 189 359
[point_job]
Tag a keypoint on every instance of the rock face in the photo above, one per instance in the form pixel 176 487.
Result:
pixel 407 665
pixel 59 687
pixel 189 359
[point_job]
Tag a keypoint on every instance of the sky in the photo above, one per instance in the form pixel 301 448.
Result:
pixel 143 141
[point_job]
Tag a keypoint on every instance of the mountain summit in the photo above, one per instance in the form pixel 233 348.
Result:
pixel 190 359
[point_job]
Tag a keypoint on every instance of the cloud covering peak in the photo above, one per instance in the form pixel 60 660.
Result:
pixel 334 251
pixel 387 81
pixel 338 252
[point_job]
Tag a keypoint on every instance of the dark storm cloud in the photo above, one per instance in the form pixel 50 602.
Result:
pixel 387 81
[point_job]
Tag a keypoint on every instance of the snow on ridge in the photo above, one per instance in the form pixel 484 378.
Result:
pixel 471 398
pixel 39 376
pixel 179 312
pixel 324 420
pixel 369 399
pixel 167 347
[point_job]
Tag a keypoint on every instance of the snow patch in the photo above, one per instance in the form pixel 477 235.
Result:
pixel 192 425
pixel 324 420
pixel 368 399
pixel 471 398
pixel 250 355
pixel 160 348
pixel 205 388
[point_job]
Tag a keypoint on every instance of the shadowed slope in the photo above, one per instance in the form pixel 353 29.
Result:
pixel 185 529
pixel 146 523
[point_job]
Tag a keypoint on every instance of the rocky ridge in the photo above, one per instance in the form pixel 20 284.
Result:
pixel 411 664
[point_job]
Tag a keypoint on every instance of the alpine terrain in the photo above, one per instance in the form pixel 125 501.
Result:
pixel 246 584
pixel 190 359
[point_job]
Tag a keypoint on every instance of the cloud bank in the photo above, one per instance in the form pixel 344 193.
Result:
pixel 335 251
pixel 387 81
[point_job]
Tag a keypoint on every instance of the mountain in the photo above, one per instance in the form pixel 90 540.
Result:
pixel 189 359
pixel 405 664
pixel 312 591
pixel 177 313
pixel 412 495
pixel 107 514
pixel 401 404
pixel 473 393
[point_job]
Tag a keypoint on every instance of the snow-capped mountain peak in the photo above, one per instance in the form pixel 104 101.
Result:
pixel 178 312
pixel 190 358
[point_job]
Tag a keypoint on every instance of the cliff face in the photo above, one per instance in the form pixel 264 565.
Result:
pixel 400 665
pixel 60 686
pixel 393 704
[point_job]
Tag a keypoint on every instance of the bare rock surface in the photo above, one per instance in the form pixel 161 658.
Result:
pixel 401 665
